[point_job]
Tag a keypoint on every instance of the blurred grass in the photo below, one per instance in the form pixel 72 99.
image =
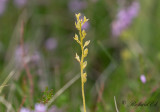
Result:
pixel 136 52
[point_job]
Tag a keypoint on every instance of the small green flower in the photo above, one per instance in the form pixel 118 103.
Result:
pixel 82 34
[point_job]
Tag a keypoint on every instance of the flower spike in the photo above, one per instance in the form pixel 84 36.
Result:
pixel 82 34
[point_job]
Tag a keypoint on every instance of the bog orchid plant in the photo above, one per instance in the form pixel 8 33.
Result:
pixel 80 40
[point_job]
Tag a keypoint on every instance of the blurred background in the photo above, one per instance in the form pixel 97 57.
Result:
pixel 123 58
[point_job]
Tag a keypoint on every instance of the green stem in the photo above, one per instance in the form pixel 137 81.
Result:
pixel 81 65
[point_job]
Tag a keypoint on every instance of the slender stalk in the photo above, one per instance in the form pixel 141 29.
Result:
pixel 64 88
pixel 116 104
pixel 29 75
pixel 6 80
pixel 81 66
pixel 79 23
pixel 22 103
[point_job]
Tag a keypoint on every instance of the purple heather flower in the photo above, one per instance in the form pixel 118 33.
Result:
pixel 77 5
pixel 134 9
pixel 143 78
pixel 2 6
pixel 116 28
pixel 35 57
pixel 20 3
pixel 25 110
pixel 40 108
pixel 19 55
pixel 124 18
pixel 51 44
pixel 86 25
